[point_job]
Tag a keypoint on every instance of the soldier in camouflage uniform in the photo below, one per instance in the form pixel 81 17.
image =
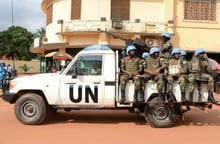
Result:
pixel 153 67
pixel 167 46
pixel 144 56
pixel 183 55
pixel 177 69
pixel 130 68
pixel 198 68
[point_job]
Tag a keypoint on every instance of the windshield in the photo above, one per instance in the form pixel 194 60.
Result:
pixel 87 65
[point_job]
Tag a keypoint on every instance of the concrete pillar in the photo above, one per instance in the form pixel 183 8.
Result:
pixel 103 39
pixel 169 10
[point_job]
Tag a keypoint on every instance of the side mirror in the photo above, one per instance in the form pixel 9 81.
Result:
pixel 74 75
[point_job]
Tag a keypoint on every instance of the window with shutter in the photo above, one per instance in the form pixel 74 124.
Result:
pixel 200 10
pixel 76 9
pixel 120 9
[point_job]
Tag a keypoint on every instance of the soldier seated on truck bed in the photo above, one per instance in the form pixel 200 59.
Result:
pixel 130 67
pixel 177 70
pixel 144 56
pixel 153 68
pixel 199 69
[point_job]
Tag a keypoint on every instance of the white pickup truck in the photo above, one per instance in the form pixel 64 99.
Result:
pixel 91 81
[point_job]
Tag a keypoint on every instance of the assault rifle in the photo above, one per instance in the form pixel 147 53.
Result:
pixel 136 42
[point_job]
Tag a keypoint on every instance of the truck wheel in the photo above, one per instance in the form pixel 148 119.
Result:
pixel 160 115
pixel 30 109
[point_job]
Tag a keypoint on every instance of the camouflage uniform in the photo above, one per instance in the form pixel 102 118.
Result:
pixel 186 64
pixel 131 65
pixel 152 64
pixel 167 48
pixel 177 66
pixel 200 65
pixel 142 67
pixel 199 69
pixel 165 52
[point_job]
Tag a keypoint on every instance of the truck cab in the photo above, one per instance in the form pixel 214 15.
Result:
pixel 90 79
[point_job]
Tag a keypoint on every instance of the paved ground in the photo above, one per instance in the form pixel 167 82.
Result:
pixel 108 127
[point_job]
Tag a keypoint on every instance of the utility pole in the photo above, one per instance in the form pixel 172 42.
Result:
pixel 12 13
pixel 14 71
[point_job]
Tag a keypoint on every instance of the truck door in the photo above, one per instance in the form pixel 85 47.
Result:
pixel 82 84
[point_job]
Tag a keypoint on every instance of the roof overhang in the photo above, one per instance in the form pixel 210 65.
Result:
pixel 54 46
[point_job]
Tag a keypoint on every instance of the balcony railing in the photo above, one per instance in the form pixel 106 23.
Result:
pixel 122 26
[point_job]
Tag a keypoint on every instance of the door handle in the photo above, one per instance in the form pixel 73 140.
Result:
pixel 96 82
pixel 69 83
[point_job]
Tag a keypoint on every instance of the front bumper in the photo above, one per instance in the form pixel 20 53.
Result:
pixel 9 97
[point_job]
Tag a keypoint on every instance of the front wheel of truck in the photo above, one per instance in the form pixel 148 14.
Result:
pixel 160 115
pixel 31 109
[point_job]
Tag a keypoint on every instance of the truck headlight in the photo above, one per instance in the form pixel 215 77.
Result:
pixel 12 85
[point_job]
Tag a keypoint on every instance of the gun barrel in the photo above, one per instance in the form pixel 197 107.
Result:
pixel 113 35
pixel 136 42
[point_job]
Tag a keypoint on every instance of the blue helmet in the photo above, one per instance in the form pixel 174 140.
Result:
pixel 145 55
pixel 176 51
pixel 183 53
pixel 198 51
pixel 129 48
pixel 166 34
pixel 154 50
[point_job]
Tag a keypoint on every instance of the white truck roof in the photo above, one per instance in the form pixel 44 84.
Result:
pixel 97 49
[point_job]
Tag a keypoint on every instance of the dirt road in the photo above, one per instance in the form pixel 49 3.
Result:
pixel 108 127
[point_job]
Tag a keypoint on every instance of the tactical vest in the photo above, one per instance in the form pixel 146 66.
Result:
pixel 152 64
pixel 131 64
pixel 174 66
pixel 195 65
pixel 199 65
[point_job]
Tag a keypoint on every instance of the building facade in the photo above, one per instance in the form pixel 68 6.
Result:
pixel 73 24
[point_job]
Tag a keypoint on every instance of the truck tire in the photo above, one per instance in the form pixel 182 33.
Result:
pixel 30 109
pixel 160 115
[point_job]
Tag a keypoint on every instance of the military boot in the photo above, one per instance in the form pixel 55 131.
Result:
pixel 211 98
pixel 190 96
pixel 172 97
pixel 122 96
pixel 136 96
pixel 161 98
pixel 142 95
pixel 183 99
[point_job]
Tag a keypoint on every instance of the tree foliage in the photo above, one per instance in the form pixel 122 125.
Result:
pixel 15 43
pixel 40 32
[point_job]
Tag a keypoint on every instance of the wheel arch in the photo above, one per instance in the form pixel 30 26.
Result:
pixel 152 96
pixel 22 92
